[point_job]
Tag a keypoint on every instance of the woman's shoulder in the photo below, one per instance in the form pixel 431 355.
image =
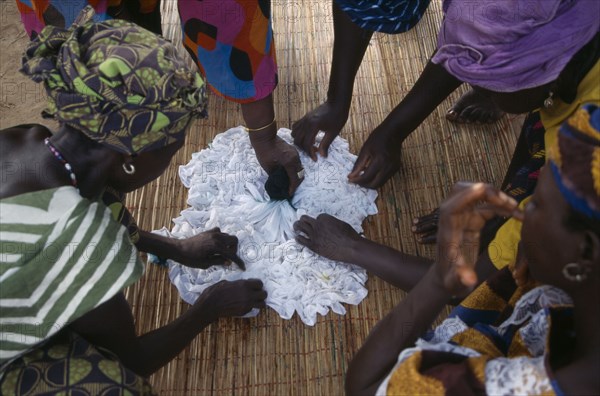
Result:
pixel 25 130
pixel 19 137
pixel 22 166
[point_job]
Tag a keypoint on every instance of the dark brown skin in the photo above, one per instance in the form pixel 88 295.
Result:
pixel 547 245
pixel 380 157
pixel 27 165
pixel 111 325
pixel 432 284
pixel 349 46
pixel 26 170
pixel 204 250
pixel 271 151
pixel 473 107
pixel 545 221
pixel 337 240
pixel 564 88
pixel 453 273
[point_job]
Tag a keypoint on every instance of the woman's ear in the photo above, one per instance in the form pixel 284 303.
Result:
pixel 126 164
pixel 590 246
pixel 590 253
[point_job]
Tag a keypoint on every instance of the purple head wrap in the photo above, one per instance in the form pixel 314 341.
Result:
pixel 510 45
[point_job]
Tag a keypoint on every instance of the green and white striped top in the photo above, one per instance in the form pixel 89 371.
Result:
pixel 61 256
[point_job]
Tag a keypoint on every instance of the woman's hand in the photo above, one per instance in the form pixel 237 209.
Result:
pixel 272 151
pixel 226 299
pixel 327 118
pixel 462 216
pixel 327 236
pixel 209 248
pixel 378 160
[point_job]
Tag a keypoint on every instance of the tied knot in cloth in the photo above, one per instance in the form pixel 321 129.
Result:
pixel 278 185
pixel 116 82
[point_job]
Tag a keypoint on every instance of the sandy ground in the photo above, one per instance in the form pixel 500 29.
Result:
pixel 21 100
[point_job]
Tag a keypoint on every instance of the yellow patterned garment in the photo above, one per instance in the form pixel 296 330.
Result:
pixel 502 250
pixel 496 342
pixel 587 92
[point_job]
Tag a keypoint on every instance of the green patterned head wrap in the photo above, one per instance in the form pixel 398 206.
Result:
pixel 116 82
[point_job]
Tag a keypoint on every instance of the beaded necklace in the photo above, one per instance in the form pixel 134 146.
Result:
pixel 59 157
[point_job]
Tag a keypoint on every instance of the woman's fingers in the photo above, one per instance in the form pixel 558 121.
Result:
pixel 361 164
pixel 255 284
pixel 304 228
pixel 304 134
pixel 328 138
pixel 364 175
pixel 466 199
pixel 305 224
pixel 467 276
pixel 238 260
pixel 303 241
pixel 295 175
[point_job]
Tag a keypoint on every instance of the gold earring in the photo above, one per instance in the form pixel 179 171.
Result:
pixel 574 272
pixel 128 168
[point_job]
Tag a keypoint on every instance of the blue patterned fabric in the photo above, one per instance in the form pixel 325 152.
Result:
pixel 386 16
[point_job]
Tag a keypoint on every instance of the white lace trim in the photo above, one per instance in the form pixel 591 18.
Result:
pixel 532 302
pixel 226 190
pixel 516 376
pixel 504 376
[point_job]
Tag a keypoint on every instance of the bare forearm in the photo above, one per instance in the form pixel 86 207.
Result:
pixel 349 47
pixel 111 326
pixel 433 86
pixel 258 114
pixel 158 245
pixel 399 269
pixel 160 346
pixel 397 331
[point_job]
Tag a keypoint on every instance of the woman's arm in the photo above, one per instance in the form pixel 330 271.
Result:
pixel 395 332
pixel 111 325
pixel 337 240
pixel 204 250
pixel 379 158
pixel 462 216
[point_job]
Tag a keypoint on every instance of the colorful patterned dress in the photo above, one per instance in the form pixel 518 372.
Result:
pixel 500 341
pixel 36 14
pixel 231 41
pixel 385 16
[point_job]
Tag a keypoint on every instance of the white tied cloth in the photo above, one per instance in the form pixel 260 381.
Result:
pixel 226 190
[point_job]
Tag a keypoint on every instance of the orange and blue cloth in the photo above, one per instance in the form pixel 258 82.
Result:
pixel 232 43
